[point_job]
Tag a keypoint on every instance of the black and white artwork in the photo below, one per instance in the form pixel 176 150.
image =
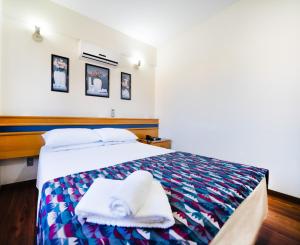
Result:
pixel 96 81
pixel 59 73
pixel 125 86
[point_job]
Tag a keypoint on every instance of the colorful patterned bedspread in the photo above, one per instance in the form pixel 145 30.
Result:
pixel 203 193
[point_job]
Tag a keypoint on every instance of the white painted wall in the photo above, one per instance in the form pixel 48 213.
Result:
pixel 230 88
pixel 16 170
pixel 26 69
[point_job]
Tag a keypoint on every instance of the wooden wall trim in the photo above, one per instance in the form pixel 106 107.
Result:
pixel 16 141
pixel 51 120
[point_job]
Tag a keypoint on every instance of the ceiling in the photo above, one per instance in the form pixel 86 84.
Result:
pixel 150 21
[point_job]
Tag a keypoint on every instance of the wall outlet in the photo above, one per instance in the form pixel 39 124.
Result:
pixel 113 113
pixel 30 161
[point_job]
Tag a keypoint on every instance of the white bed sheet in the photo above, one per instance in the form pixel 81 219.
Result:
pixel 241 228
pixel 53 164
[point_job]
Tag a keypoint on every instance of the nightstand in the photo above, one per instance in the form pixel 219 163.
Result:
pixel 165 143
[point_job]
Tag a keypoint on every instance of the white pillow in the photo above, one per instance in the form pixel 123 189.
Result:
pixel 69 136
pixel 115 134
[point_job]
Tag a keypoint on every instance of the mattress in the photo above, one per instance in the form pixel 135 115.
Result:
pixel 240 228
pixel 54 163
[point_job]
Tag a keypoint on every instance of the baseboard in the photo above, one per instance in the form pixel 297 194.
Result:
pixel 284 196
pixel 15 184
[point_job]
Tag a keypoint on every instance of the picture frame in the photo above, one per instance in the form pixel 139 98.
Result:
pixel 59 73
pixel 125 86
pixel 96 81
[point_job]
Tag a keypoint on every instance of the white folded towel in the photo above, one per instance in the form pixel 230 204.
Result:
pixel 94 207
pixel 129 197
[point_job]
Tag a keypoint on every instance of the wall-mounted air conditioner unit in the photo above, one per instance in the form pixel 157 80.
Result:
pixel 92 52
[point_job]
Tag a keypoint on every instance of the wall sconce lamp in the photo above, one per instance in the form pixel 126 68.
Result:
pixel 36 36
pixel 138 64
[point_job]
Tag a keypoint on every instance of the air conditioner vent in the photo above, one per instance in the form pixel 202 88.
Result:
pixel 93 52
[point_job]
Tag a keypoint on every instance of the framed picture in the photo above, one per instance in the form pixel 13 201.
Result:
pixel 125 86
pixel 96 81
pixel 59 73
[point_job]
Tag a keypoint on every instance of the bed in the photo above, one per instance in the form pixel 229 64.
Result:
pixel 213 201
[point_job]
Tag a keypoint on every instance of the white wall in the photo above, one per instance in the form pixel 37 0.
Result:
pixel 230 88
pixel 26 69
pixel 26 90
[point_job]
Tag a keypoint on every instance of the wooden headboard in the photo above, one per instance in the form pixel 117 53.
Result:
pixel 20 136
